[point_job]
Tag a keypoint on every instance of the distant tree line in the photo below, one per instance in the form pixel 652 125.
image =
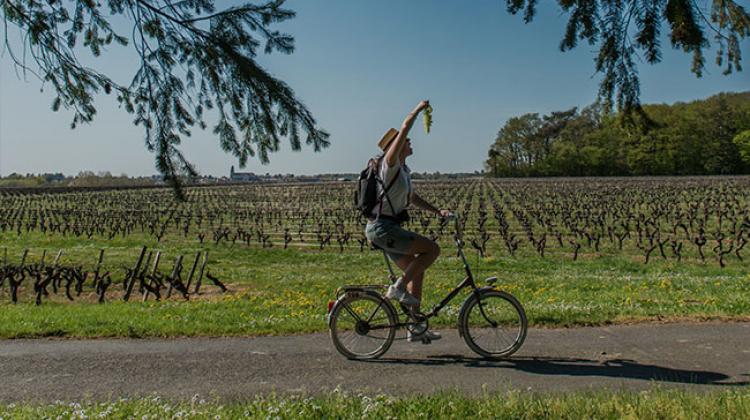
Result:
pixel 83 179
pixel 704 137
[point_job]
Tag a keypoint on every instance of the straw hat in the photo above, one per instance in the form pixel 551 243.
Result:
pixel 387 138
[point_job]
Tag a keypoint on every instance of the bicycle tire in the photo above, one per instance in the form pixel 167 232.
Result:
pixel 345 333
pixel 510 323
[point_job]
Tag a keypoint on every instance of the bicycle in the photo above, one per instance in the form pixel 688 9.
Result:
pixel 487 314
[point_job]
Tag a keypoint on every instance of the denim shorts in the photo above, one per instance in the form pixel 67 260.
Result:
pixel 391 237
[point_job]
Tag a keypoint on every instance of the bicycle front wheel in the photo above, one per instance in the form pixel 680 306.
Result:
pixel 493 323
pixel 362 325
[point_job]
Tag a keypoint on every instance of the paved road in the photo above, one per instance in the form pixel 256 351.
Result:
pixel 699 356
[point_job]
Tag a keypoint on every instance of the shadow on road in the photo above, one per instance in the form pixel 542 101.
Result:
pixel 616 368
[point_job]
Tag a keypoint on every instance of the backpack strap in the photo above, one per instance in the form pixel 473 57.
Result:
pixel 385 189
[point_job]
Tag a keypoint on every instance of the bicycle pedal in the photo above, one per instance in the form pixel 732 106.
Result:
pixel 426 340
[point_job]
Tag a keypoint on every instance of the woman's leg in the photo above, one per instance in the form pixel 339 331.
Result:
pixel 425 253
pixel 415 286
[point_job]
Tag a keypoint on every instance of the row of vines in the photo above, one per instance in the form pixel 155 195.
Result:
pixel 701 219
pixel 54 277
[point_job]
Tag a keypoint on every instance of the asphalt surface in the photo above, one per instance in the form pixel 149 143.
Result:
pixel 696 356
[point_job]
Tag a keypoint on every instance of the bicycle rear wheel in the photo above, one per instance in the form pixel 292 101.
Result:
pixel 493 324
pixel 362 325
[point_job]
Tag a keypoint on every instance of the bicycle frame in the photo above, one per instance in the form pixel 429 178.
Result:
pixel 467 281
pixel 417 322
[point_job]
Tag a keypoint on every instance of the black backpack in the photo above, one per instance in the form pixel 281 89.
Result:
pixel 366 194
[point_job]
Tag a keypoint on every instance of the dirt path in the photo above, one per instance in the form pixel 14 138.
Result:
pixel 699 356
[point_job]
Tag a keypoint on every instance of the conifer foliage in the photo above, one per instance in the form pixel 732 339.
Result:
pixel 193 59
pixel 625 29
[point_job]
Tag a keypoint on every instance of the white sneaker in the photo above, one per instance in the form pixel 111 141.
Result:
pixel 426 337
pixel 401 295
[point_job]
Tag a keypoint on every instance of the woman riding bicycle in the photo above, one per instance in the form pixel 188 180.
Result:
pixel 411 252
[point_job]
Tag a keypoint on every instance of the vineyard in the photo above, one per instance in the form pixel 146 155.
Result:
pixel 678 218
pixel 700 221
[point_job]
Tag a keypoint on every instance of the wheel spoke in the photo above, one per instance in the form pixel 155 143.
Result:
pixel 374 312
pixel 494 325
pixel 363 326
pixel 351 312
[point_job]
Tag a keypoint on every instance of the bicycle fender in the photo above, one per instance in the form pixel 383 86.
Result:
pixel 465 306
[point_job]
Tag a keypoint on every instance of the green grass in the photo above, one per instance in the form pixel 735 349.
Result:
pixel 276 291
pixel 651 404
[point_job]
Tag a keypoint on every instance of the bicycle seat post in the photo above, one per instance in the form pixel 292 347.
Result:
pixel 392 275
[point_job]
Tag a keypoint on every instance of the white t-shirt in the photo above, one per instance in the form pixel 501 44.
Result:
pixel 400 190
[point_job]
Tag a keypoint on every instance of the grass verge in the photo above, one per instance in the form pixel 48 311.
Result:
pixel 277 291
pixel 651 404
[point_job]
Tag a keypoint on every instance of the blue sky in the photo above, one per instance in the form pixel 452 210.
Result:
pixel 361 66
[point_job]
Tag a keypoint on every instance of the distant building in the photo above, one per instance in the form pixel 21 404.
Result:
pixel 242 176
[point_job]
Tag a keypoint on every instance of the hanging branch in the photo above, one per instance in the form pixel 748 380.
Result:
pixel 192 59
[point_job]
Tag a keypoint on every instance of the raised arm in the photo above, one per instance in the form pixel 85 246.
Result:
pixel 394 150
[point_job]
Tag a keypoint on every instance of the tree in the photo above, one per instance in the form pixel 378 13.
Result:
pixel 552 126
pixel 573 152
pixel 192 59
pixel 742 141
pixel 624 28
pixel 703 137
pixel 722 121
pixel 516 147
